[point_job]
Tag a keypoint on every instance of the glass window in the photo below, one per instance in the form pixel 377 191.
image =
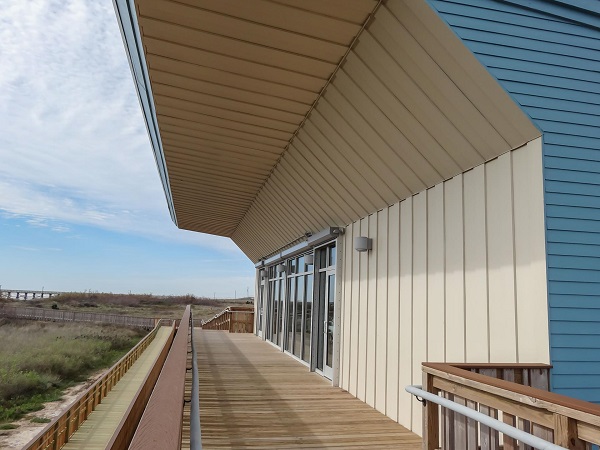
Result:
pixel 332 255
pixel 309 267
pixel 322 255
pixel 280 311
pixel 330 309
pixel 261 297
pixel 322 321
pixel 289 341
pixel 306 322
pixel 298 316
pixel 275 311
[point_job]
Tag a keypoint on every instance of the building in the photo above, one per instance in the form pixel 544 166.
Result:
pixel 459 137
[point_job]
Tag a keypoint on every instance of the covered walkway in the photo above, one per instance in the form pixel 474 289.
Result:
pixel 254 396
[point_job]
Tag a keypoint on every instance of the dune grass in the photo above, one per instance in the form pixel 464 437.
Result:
pixel 38 360
pixel 138 305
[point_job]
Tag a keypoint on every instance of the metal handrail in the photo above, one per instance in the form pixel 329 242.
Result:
pixel 484 419
pixel 195 432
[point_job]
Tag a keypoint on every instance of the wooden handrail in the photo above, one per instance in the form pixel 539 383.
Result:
pixel 57 433
pixel 126 428
pixel 161 423
pixel 21 312
pixel 526 404
pixel 235 319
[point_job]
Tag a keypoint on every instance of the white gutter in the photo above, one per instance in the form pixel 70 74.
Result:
pixel 486 420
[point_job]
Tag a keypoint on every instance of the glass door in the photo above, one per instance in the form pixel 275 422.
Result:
pixel 298 307
pixel 326 308
pixel 274 310
pixel 260 305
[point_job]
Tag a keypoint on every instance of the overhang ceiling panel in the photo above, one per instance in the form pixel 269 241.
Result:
pixel 221 135
pixel 280 117
pixel 223 26
pixel 188 97
pixel 216 80
pixel 224 118
pixel 332 27
pixel 232 81
pixel 409 108
pixel 192 86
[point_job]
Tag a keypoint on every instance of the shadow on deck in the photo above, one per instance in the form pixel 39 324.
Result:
pixel 254 396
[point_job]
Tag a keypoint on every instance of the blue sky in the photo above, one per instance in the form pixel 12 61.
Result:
pixel 81 204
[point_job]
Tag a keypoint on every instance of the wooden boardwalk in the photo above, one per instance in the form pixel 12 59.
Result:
pixel 96 432
pixel 254 396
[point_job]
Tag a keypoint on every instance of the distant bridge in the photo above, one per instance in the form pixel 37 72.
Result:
pixel 27 294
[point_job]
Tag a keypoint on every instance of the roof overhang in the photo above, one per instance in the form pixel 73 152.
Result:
pixel 272 119
pixel 225 85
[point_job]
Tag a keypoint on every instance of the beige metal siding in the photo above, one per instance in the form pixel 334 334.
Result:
pixel 379 273
pixel 457 273
pixel 528 216
pixel 392 280
pixel 454 270
pixel 409 108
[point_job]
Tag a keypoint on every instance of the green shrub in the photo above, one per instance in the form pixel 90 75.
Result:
pixel 39 359
pixel 40 420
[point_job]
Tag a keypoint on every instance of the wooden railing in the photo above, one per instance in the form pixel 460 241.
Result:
pixel 126 428
pixel 18 312
pixel 58 431
pixel 161 424
pixel 516 394
pixel 235 319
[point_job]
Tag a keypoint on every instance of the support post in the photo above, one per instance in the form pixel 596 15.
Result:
pixel 565 433
pixel 431 418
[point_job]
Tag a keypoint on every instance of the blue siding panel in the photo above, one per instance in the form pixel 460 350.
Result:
pixel 568 224
pixel 567 327
pixel 584 154
pixel 574 262
pixel 546 55
pixel 583 368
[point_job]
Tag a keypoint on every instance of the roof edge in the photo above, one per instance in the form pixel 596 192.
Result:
pixel 130 33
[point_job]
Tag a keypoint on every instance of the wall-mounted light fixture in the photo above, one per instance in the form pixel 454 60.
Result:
pixel 309 259
pixel 280 268
pixel 362 243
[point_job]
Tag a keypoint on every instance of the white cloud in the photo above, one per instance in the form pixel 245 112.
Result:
pixel 73 144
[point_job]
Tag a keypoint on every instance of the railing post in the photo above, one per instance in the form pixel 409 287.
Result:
pixel 431 418
pixel 68 426
pixel 55 437
pixel 565 433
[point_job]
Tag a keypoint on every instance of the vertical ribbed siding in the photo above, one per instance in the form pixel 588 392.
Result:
pixel 548 59
pixel 454 274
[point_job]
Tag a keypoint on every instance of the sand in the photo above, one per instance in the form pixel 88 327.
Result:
pixel 19 437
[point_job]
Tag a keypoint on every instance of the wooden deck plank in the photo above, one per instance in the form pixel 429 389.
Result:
pixel 254 396
pixel 96 432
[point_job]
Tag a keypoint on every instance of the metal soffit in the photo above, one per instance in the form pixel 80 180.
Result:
pixel 232 81
pixel 279 117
